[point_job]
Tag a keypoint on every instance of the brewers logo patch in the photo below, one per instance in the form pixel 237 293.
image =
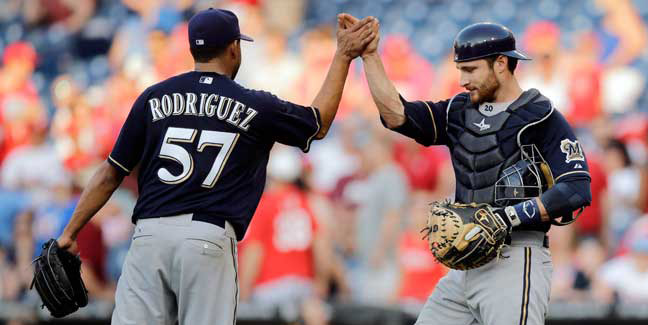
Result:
pixel 572 150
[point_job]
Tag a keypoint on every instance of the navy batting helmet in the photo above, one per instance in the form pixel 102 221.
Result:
pixel 480 40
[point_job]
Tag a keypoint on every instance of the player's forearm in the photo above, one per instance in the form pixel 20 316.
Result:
pixel 560 200
pixel 567 196
pixel 383 92
pixel 102 184
pixel 528 212
pixel 328 98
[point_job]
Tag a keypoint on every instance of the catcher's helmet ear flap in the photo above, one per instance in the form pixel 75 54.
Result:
pixel 481 40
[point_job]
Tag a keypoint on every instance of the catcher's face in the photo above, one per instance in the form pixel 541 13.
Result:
pixel 478 77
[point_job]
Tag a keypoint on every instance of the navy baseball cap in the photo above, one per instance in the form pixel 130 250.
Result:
pixel 214 28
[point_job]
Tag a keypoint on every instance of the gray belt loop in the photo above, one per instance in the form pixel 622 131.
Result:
pixel 229 230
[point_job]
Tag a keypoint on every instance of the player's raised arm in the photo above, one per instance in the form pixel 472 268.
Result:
pixel 422 121
pixel 351 42
pixel 384 93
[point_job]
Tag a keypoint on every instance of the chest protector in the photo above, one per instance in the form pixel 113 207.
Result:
pixel 482 146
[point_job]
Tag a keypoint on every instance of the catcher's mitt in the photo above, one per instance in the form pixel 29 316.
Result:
pixel 57 278
pixel 464 236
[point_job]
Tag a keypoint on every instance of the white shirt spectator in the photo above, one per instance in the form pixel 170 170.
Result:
pixel 623 190
pixel 622 275
pixel 556 89
pixel 33 168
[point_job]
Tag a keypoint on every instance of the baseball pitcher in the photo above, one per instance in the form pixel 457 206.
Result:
pixel 199 143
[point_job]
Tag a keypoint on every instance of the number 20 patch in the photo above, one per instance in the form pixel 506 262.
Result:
pixel 572 150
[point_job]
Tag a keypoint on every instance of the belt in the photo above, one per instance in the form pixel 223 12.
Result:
pixel 187 219
pixel 211 219
pixel 218 221
pixel 545 240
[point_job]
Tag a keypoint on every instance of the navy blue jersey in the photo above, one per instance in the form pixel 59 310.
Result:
pixel 201 142
pixel 426 123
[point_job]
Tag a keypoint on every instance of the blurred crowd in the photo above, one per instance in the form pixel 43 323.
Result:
pixel 341 224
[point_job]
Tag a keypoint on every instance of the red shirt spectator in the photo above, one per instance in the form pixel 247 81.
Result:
pixel 584 85
pixel 92 249
pixel 21 112
pixel 420 271
pixel 285 226
pixel 411 74
pixel 585 95
pixel 589 223
pixel 422 165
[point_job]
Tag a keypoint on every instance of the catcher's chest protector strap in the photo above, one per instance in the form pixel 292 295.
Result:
pixel 482 146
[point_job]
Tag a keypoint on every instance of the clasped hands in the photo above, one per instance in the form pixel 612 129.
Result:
pixel 357 37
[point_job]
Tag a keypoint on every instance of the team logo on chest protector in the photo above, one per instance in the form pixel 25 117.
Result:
pixel 572 150
pixel 482 125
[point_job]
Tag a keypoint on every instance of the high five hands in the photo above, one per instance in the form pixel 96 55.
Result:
pixel 348 25
pixel 355 36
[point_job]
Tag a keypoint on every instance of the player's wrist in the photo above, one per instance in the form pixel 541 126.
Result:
pixel 343 57
pixel 524 213
pixel 369 55
pixel 508 216
pixel 69 234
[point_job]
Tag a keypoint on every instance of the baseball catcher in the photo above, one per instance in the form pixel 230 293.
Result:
pixel 57 278
pixel 486 129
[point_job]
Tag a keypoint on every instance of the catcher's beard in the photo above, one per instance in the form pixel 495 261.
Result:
pixel 486 91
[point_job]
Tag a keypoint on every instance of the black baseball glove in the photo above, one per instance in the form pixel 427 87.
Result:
pixel 57 278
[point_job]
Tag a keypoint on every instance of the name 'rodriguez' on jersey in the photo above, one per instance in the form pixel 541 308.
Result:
pixel 209 105
pixel 200 143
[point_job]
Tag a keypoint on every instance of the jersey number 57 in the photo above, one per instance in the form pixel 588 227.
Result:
pixel 225 140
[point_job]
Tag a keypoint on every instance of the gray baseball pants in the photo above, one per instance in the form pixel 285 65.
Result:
pixel 508 291
pixel 178 270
